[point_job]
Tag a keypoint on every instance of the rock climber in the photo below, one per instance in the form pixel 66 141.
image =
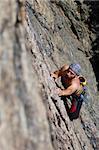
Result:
pixel 71 80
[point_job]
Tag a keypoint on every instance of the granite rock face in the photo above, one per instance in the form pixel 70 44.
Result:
pixel 36 38
pixel 23 121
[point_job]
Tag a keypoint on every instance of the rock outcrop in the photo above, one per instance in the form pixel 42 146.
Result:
pixel 36 38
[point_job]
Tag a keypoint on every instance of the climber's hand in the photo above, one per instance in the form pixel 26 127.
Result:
pixel 59 91
pixel 53 75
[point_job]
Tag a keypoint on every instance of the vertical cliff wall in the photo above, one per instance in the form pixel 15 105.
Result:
pixel 36 38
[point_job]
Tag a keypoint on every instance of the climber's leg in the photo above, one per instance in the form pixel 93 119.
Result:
pixel 75 109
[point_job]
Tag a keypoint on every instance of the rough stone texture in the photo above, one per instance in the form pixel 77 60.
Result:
pixel 36 38
pixel 23 121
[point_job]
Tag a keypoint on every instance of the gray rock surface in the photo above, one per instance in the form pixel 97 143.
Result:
pixel 36 38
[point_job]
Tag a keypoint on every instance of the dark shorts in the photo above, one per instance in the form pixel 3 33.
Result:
pixel 75 109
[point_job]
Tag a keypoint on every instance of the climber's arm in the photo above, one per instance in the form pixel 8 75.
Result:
pixel 69 91
pixel 59 72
